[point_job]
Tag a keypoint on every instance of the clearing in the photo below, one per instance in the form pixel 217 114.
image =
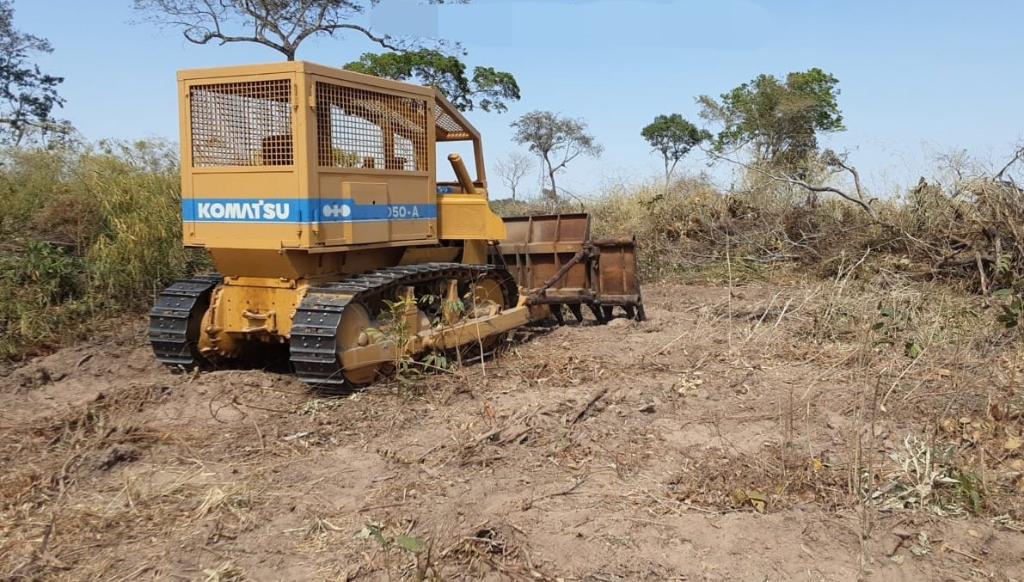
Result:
pixel 759 433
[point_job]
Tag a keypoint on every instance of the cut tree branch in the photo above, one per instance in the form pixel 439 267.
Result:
pixel 1017 156
pixel 859 198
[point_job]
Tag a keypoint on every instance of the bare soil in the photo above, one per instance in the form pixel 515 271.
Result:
pixel 723 439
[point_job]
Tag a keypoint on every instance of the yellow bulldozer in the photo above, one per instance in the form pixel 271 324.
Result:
pixel 315 192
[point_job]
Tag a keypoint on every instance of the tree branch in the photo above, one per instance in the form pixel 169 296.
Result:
pixel 1017 156
pixel 857 199
pixel 383 41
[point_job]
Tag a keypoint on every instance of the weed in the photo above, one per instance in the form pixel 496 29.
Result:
pixel 439 313
pixel 402 544
pixel 929 477
pixel 1012 308
pixel 316 406
pixel 969 492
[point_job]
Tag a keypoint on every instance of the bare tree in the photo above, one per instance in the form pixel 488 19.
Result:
pixel 557 140
pixel 282 25
pixel 512 169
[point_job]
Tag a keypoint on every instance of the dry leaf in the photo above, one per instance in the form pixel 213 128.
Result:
pixel 1013 443
pixel 755 499
pixel 759 502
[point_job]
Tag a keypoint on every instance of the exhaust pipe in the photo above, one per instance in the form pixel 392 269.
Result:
pixel 462 174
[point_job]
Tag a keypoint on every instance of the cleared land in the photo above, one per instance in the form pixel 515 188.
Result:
pixel 805 431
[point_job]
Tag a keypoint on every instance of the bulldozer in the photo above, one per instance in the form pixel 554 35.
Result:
pixel 315 192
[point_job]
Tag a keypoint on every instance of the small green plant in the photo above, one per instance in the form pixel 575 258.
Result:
pixel 892 324
pixel 912 350
pixel 438 361
pixel 969 492
pixel 455 308
pixel 404 544
pixel 376 532
pixel 1012 309
pixel 887 328
pixel 396 330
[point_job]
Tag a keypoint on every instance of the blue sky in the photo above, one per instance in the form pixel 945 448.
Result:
pixel 918 78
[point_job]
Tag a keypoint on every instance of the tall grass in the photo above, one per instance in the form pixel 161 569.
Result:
pixel 86 233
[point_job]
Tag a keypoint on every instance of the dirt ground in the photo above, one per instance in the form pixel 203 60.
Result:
pixel 723 439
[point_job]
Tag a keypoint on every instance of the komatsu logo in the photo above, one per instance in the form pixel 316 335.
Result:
pixel 258 210
pixel 299 211
pixel 337 210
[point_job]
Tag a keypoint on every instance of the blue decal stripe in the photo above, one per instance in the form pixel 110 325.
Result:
pixel 298 211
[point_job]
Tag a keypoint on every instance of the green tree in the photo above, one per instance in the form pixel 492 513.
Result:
pixel 28 96
pixel 673 137
pixel 487 88
pixel 557 140
pixel 778 120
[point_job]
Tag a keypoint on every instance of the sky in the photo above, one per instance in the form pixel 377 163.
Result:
pixel 919 78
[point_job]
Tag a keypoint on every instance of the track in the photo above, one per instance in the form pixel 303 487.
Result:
pixel 314 336
pixel 314 346
pixel 175 318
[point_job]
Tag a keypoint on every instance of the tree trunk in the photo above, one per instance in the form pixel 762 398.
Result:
pixel 668 175
pixel 551 176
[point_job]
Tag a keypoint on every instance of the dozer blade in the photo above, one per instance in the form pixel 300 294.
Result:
pixel 556 263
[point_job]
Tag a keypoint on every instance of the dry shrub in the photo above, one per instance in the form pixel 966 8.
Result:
pixel 967 231
pixel 489 548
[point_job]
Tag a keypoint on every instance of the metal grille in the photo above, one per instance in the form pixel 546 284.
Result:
pixel 242 124
pixel 448 129
pixel 364 129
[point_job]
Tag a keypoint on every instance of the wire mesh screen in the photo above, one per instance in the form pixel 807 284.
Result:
pixel 242 124
pixel 448 129
pixel 364 129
